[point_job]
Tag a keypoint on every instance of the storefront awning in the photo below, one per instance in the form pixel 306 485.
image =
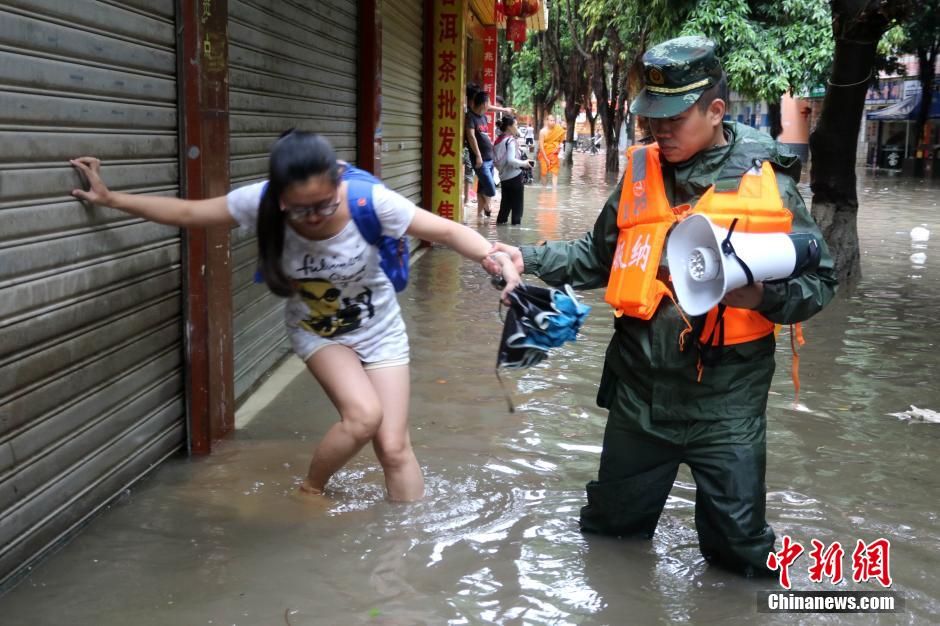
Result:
pixel 906 109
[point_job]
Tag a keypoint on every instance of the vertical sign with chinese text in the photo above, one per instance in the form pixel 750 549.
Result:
pixel 490 48
pixel 447 137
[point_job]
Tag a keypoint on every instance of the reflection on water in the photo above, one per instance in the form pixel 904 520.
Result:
pixel 225 540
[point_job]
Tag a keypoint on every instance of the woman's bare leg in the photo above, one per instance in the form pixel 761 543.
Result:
pixel 392 443
pixel 340 373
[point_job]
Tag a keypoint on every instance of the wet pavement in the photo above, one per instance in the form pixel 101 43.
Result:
pixel 225 540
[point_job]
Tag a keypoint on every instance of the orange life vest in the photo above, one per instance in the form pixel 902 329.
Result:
pixel 644 218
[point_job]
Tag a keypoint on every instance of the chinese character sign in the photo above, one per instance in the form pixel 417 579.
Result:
pixel 490 49
pixel 448 58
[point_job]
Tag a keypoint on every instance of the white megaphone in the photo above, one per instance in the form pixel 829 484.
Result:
pixel 706 264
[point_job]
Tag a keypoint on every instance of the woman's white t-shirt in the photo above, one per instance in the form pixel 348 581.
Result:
pixel 343 295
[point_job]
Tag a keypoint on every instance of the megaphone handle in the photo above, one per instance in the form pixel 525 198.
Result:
pixel 728 248
pixel 709 351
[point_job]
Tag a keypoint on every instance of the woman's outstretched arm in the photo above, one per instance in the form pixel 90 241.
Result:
pixel 172 211
pixel 467 242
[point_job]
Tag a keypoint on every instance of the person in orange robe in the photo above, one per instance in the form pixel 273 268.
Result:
pixel 551 139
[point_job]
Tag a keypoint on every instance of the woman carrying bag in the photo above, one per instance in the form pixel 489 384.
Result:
pixel 511 169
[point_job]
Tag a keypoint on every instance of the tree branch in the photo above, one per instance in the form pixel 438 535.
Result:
pixel 574 28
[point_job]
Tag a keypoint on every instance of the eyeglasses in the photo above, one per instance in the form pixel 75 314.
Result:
pixel 324 209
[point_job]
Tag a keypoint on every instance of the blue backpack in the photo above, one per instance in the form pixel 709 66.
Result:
pixel 393 252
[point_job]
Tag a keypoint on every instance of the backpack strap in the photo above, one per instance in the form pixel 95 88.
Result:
pixel 354 173
pixel 500 147
pixel 359 193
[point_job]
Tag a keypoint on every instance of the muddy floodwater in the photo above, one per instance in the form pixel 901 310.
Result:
pixel 225 540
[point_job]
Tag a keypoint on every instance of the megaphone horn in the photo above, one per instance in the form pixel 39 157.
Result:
pixel 707 261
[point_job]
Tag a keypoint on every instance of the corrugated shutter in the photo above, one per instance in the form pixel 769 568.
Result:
pixel 402 55
pixel 91 379
pixel 291 65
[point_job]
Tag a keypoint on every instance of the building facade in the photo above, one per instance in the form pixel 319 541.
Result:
pixel 122 341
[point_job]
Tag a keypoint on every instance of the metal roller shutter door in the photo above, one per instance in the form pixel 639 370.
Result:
pixel 291 65
pixel 91 378
pixel 402 62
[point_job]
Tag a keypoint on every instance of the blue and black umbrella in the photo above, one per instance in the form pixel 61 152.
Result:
pixel 538 318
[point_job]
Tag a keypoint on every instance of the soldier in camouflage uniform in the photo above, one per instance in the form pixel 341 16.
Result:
pixel 660 415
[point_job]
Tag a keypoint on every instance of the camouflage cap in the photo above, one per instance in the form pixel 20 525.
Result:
pixel 676 72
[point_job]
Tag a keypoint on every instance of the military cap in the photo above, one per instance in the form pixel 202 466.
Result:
pixel 675 73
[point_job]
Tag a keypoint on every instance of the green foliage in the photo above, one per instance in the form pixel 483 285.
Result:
pixel 888 48
pixel 530 79
pixel 921 31
pixel 634 25
pixel 767 48
pixel 894 39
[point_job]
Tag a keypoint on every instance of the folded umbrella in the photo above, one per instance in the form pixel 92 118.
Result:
pixel 538 318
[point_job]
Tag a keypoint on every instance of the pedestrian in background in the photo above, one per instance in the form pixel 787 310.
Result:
pixel 481 150
pixel 551 141
pixel 467 176
pixel 511 168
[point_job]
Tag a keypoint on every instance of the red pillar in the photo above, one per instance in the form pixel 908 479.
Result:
pixel 370 87
pixel 204 151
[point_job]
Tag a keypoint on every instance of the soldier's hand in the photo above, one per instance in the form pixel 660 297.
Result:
pixel 748 297
pixel 515 254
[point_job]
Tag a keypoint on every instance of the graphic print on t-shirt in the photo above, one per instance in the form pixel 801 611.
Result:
pixel 331 312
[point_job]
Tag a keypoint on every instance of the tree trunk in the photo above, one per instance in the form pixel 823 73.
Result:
pixel 599 81
pixel 538 114
pixel 572 91
pixel 926 62
pixel 586 102
pixel 857 27
pixel 620 115
pixel 504 69
pixel 571 118
pixel 609 117
pixel 776 124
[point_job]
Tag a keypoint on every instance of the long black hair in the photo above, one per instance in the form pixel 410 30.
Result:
pixel 295 157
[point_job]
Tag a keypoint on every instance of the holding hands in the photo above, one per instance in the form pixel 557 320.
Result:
pixel 505 261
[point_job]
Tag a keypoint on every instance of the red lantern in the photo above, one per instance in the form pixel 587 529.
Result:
pixel 515 32
pixel 512 8
pixel 529 8
pixel 499 11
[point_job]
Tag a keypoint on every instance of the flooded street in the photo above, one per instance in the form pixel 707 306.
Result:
pixel 226 540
